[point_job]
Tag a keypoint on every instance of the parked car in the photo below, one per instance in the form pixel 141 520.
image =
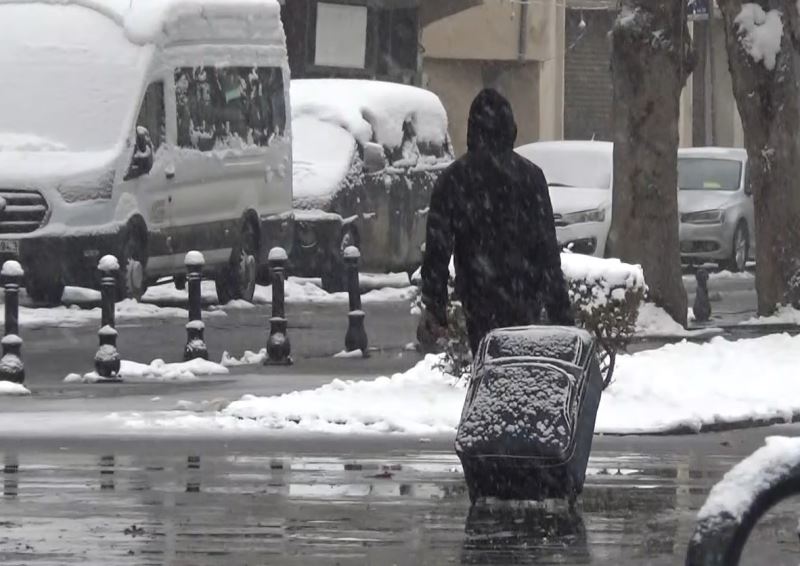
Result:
pixel 716 207
pixel 143 130
pixel 365 154
pixel 579 174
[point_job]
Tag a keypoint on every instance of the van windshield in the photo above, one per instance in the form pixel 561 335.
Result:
pixel 70 78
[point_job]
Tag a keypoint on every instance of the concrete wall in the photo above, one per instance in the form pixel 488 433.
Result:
pixel 458 81
pixel 481 47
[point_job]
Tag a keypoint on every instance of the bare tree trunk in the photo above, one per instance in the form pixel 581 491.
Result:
pixel 651 59
pixel 765 85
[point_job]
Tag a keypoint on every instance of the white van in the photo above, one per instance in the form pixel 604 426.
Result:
pixel 143 128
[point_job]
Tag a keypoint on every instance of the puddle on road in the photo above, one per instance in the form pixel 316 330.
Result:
pixel 68 508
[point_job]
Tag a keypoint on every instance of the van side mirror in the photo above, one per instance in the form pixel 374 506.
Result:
pixel 748 188
pixel 374 157
pixel 143 156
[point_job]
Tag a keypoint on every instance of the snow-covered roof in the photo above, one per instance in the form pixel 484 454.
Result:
pixel 163 21
pixel 372 111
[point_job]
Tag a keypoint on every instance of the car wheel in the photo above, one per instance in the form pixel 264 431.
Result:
pixel 740 250
pixel 45 289
pixel 334 279
pixel 133 280
pixel 237 280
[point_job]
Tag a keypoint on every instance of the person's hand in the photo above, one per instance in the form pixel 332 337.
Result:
pixel 430 332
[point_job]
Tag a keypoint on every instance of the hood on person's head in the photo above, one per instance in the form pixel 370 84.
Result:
pixel 491 125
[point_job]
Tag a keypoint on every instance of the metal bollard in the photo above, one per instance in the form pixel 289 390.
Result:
pixel 195 343
pixel 702 301
pixel 279 349
pixel 356 337
pixel 107 361
pixel 11 367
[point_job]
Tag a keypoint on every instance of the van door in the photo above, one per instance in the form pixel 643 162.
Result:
pixel 225 122
pixel 146 187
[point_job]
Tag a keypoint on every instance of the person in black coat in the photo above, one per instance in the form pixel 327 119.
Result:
pixel 491 210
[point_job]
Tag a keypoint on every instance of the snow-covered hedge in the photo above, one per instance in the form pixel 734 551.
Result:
pixel 606 295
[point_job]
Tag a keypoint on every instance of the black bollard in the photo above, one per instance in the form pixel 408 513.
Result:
pixel 107 361
pixel 11 367
pixel 356 337
pixel 279 349
pixel 702 302
pixel 195 343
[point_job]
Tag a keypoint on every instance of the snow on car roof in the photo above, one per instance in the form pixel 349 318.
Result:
pixel 161 21
pixel 568 146
pixel 714 152
pixel 372 111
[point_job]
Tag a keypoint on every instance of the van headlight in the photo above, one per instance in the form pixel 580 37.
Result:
pixel 704 217
pixel 598 215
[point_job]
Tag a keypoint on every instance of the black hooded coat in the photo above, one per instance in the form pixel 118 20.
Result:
pixel 491 210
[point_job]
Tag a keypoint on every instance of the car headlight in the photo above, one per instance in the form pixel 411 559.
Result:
pixel 584 216
pixel 703 217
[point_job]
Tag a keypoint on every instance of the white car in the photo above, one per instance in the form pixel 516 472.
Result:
pixel 580 176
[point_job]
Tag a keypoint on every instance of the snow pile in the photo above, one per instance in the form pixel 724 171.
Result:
pixel 654 322
pixel 372 111
pixel 654 391
pixel 13 389
pixel 785 315
pixel 353 354
pixel 724 275
pixel 760 33
pixel 299 291
pixel 157 370
pixel 751 477
pixel 127 310
pixel 419 401
pixel 249 358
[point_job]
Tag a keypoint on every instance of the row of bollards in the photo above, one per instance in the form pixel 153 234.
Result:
pixel 107 361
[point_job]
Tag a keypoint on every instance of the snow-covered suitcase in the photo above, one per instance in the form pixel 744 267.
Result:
pixel 528 419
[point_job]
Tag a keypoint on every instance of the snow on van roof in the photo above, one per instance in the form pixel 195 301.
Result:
pixel 153 21
pixel 372 111
pixel 568 146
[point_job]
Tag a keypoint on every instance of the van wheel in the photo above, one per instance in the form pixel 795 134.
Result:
pixel 133 280
pixel 47 290
pixel 237 280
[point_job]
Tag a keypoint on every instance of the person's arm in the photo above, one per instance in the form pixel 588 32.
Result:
pixel 554 287
pixel 438 250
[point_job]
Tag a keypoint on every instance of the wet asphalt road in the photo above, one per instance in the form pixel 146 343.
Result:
pixel 318 500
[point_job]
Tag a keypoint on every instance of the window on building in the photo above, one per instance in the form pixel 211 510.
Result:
pixel 341 36
pixel 229 107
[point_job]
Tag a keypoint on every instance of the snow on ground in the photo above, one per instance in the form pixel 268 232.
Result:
pixel 9 388
pixel 785 315
pixel 654 322
pixel 67 317
pixel 725 275
pixel 157 370
pixel 304 291
pixel 653 391
pixel 249 358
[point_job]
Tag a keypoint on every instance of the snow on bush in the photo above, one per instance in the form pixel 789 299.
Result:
pixel 606 295
pixel 157 370
pixel 760 33
pixel 735 494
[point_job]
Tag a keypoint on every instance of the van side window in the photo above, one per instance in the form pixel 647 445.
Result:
pixel 229 107
pixel 152 115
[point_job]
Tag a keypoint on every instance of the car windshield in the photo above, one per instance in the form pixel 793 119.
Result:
pixel 587 169
pixel 70 78
pixel 701 174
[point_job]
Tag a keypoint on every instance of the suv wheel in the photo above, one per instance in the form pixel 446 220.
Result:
pixel 45 289
pixel 740 249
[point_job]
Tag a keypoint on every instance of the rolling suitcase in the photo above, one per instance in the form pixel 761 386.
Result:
pixel 528 419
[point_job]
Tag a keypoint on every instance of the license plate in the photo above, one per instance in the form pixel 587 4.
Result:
pixel 9 247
